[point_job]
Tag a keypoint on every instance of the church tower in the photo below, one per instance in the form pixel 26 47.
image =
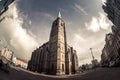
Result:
pixel 57 46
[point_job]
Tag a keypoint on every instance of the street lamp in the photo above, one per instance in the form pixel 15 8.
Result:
pixel 92 54
pixel 93 61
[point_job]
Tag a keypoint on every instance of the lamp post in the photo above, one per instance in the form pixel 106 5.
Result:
pixel 93 61
pixel 92 54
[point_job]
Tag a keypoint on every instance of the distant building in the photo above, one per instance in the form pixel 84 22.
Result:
pixel 95 63
pixel 56 56
pixel 85 67
pixel 8 54
pixel 20 62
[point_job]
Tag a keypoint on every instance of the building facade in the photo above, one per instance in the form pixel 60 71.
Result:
pixel 111 51
pixel 4 5
pixel 20 62
pixel 112 8
pixel 56 56
pixel 8 54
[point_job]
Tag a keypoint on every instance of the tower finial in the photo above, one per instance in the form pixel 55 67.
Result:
pixel 59 15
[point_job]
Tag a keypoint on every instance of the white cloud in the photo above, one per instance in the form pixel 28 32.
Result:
pixel 48 16
pixel 79 9
pixel 83 39
pixel 45 15
pixel 103 1
pixel 21 41
pixel 83 42
pixel 104 24
pixel 98 23
pixel 93 25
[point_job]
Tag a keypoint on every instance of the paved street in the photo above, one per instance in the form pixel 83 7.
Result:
pixel 99 74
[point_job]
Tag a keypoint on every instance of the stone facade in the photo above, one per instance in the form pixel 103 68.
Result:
pixel 56 56
pixel 39 59
pixel 111 50
pixel 112 8
pixel 6 53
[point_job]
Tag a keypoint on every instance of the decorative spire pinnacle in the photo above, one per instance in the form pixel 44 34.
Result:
pixel 59 15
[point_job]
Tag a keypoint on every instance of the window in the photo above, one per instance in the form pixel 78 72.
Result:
pixel 59 45
pixel 62 24
pixel 63 67
pixel 62 56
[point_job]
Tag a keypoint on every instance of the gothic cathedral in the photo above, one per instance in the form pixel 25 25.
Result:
pixel 56 56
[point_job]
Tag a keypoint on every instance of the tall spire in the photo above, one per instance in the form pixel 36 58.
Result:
pixel 59 15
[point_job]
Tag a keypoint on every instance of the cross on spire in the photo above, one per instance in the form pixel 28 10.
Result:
pixel 59 15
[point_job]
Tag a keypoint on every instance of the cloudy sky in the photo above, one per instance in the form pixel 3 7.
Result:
pixel 28 23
